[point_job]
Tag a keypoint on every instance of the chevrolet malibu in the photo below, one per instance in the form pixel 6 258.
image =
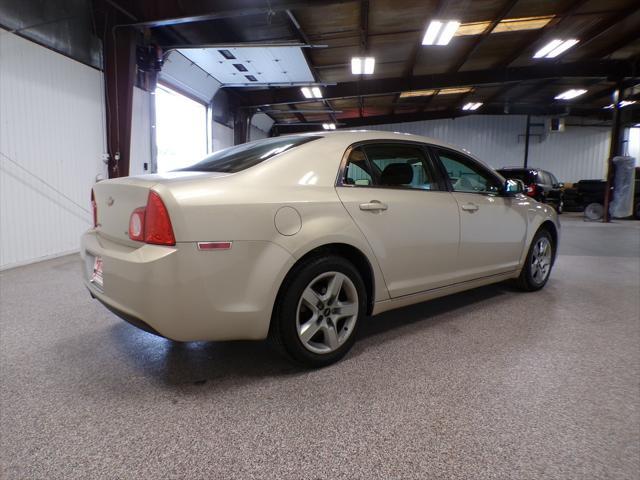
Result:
pixel 299 238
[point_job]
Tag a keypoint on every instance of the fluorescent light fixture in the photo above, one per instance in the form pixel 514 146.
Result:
pixel 563 48
pixel 448 32
pixel 555 48
pixel 364 65
pixel 621 104
pixel 472 106
pixel 432 32
pixel 440 32
pixel 369 65
pixel 313 92
pixel 569 94
pixel 329 126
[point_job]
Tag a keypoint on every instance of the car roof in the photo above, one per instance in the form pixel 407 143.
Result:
pixel 347 137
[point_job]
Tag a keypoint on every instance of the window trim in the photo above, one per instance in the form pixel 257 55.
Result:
pixel 427 163
pixel 466 158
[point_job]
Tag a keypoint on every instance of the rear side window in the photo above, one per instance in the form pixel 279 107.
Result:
pixel 396 165
pixel 357 170
pixel 389 165
pixel 241 157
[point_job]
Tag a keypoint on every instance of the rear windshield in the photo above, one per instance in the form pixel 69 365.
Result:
pixel 523 175
pixel 240 157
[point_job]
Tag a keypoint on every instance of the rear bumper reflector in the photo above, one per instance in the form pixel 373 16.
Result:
pixel 214 245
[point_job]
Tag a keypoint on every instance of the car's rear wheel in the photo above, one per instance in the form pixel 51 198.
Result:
pixel 318 311
pixel 535 272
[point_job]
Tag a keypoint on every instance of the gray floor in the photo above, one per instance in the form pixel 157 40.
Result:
pixel 490 383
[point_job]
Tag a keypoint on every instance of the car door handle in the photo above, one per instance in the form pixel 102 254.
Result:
pixel 373 206
pixel 470 207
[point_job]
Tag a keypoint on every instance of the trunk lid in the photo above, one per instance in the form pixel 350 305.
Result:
pixel 116 199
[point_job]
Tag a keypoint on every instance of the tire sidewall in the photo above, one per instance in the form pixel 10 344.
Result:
pixel 288 305
pixel 527 273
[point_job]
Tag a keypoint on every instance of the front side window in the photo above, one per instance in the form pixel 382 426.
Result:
pixel 466 176
pixel 241 157
pixel 397 165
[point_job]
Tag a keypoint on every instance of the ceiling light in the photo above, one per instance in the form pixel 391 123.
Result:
pixel 569 94
pixel 555 48
pixel 440 33
pixel 313 92
pixel 329 126
pixel 621 104
pixel 361 65
pixel 472 106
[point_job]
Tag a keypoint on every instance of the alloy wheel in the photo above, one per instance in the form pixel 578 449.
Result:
pixel 327 312
pixel 541 260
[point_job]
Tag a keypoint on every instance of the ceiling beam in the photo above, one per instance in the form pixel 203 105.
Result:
pixel 464 58
pixel 452 113
pixel 298 30
pixel 589 69
pixel 537 35
pixel 206 14
pixel 604 26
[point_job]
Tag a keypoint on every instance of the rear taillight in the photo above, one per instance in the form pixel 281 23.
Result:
pixel 94 209
pixel 151 224
pixel 532 190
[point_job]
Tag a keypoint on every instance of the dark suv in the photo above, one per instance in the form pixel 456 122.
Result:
pixel 539 184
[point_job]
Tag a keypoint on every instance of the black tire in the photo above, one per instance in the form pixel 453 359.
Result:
pixel 283 332
pixel 526 280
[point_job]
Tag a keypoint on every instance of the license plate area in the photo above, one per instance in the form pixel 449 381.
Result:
pixel 95 275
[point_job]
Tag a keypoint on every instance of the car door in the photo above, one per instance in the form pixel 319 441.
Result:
pixel 402 206
pixel 493 226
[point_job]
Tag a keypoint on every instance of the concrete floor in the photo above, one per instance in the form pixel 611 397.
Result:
pixel 491 383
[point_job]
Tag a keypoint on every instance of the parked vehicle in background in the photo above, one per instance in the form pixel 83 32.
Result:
pixel 541 185
pixel 578 196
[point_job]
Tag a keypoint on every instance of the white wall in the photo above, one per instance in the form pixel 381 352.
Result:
pixel 222 136
pixel 140 132
pixel 578 153
pixel 575 154
pixel 51 144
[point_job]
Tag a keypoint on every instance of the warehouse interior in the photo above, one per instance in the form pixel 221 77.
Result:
pixel 487 383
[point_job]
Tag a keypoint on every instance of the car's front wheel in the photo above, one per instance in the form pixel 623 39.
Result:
pixel 537 267
pixel 318 311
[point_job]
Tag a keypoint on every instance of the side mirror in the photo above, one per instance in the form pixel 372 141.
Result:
pixel 513 187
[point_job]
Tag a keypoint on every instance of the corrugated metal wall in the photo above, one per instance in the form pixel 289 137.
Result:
pixel 51 143
pixel 575 154
pixel 491 138
pixel 578 153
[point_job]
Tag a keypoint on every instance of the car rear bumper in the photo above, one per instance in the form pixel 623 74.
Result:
pixel 186 294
